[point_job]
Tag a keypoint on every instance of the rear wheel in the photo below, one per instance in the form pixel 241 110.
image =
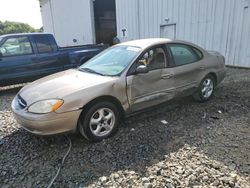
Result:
pixel 99 121
pixel 206 89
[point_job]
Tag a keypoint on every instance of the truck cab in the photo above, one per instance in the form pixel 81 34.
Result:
pixel 26 57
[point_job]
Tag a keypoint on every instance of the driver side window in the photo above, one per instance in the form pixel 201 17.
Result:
pixel 154 59
pixel 16 46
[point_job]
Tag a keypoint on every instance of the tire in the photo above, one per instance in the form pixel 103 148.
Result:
pixel 99 121
pixel 205 90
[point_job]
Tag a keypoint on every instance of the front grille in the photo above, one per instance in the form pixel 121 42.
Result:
pixel 22 103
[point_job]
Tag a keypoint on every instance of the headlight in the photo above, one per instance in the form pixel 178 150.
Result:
pixel 46 106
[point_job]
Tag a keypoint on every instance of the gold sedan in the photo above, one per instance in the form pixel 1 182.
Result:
pixel 122 80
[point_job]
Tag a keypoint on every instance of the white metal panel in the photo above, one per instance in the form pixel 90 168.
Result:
pixel 221 25
pixel 46 16
pixel 69 20
pixel 127 19
pixel 244 49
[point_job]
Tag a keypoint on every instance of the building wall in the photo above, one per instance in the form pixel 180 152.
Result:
pixel 46 16
pixel 68 20
pixel 221 25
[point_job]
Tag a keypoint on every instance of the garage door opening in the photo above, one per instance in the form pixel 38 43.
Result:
pixel 105 21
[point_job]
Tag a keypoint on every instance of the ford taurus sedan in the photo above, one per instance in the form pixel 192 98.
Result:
pixel 122 80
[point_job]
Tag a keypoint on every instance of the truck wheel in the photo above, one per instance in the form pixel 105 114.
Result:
pixel 205 90
pixel 99 121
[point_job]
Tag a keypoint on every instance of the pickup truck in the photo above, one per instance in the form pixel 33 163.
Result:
pixel 27 57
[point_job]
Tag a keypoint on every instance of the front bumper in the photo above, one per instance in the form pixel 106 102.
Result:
pixel 45 124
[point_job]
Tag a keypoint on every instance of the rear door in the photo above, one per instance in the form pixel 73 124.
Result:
pixel 187 69
pixel 47 57
pixel 17 60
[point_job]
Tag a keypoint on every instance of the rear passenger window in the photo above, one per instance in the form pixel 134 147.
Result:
pixel 198 52
pixel 184 54
pixel 43 44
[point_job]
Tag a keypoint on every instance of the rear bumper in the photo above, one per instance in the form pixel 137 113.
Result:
pixel 221 76
pixel 45 124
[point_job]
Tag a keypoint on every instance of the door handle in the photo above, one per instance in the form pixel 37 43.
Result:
pixel 202 67
pixel 167 76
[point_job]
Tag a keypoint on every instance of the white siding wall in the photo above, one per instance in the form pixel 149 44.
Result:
pixel 221 25
pixel 46 16
pixel 68 20
pixel 127 17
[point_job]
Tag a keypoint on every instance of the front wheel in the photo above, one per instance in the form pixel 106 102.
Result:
pixel 99 121
pixel 206 89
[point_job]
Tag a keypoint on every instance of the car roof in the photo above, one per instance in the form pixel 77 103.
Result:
pixel 145 43
pixel 26 34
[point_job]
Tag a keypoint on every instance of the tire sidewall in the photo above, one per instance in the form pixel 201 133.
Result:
pixel 85 117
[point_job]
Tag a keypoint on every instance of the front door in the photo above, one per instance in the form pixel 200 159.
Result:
pixel 151 88
pixel 17 60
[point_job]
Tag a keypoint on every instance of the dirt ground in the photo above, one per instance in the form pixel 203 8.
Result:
pixel 202 145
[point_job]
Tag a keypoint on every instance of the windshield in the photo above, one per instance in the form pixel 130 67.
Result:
pixel 112 61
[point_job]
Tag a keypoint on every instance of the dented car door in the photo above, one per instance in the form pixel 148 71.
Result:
pixel 151 88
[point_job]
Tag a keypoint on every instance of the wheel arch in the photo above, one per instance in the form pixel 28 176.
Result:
pixel 108 98
pixel 213 74
pixel 83 60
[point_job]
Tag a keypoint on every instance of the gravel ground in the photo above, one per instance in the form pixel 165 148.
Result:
pixel 202 145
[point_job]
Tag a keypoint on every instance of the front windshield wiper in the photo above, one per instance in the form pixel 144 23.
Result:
pixel 91 71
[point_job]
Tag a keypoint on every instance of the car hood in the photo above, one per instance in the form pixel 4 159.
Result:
pixel 59 85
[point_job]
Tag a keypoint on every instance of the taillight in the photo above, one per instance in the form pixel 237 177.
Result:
pixel 223 61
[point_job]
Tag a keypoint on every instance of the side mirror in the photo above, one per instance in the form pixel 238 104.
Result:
pixel 1 55
pixel 142 69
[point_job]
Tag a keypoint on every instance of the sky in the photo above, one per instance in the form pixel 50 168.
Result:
pixel 26 11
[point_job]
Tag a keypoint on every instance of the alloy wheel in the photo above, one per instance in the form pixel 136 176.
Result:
pixel 102 122
pixel 207 88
